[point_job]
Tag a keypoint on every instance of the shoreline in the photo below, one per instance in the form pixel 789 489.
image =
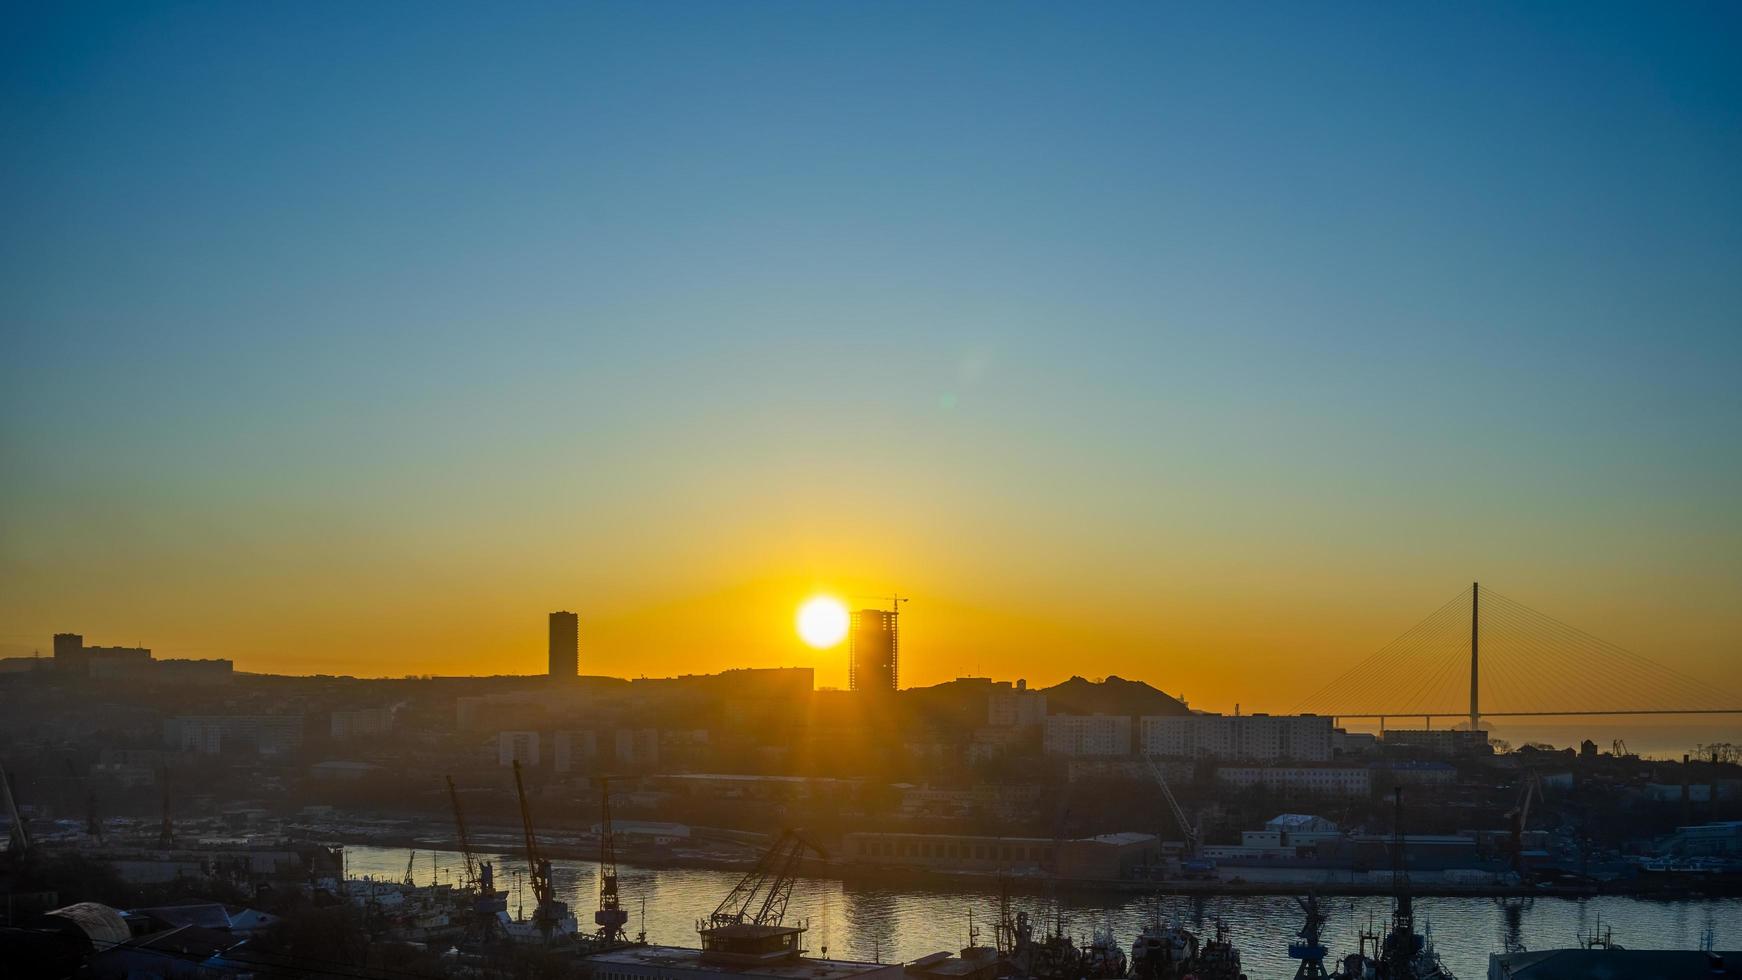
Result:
pixel 1031 884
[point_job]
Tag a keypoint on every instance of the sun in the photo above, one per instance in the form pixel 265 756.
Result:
pixel 822 621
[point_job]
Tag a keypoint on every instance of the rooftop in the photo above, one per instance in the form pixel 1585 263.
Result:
pixel 681 958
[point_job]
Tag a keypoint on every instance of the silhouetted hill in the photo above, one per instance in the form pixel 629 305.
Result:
pixel 1113 696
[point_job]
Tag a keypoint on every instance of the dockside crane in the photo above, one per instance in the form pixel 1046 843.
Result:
pixel 1189 829
pixel 549 911
pixel 1518 815
pixel 410 862
pixel 770 881
pixel 471 878
pixel 611 916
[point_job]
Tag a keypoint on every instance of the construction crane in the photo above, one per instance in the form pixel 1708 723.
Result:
pixel 611 916
pixel 771 881
pixel 548 910
pixel 895 600
pixel 471 879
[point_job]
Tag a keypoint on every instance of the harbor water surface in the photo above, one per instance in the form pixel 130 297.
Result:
pixel 865 922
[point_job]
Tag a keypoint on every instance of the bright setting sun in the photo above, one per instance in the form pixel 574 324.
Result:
pixel 822 621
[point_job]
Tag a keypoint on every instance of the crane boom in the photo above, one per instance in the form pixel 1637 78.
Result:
pixel 471 880
pixel 539 867
pixel 771 880
pixel 1179 815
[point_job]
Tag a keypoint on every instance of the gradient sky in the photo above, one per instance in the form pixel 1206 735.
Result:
pixel 1208 344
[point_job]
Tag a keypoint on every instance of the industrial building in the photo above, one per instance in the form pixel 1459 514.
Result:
pixel 1103 858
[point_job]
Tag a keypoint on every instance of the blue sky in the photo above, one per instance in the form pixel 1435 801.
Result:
pixel 1230 294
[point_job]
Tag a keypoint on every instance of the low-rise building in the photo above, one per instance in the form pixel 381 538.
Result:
pixel 1344 781
pixel 1239 738
pixel 1721 839
pixel 1103 858
pixel 1438 741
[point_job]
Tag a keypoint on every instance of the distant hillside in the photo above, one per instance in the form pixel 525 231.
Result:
pixel 1113 696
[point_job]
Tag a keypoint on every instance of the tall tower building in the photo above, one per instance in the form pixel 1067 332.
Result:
pixel 873 647
pixel 565 642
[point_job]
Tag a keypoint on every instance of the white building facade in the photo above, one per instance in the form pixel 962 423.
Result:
pixel 1239 738
pixel 1087 736
pixel 1343 781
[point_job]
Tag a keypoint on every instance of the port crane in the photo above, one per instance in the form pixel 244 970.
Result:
pixel 771 881
pixel 1518 815
pixel 611 916
pixel 549 911
pixel 1189 829
pixel 410 862
pixel 471 878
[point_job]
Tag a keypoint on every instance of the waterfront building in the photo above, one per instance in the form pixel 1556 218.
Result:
pixel 1077 736
pixel 678 963
pixel 1103 858
pixel 1239 738
pixel 1722 839
pixel 565 644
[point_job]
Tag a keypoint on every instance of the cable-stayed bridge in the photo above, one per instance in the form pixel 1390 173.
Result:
pixel 1483 655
